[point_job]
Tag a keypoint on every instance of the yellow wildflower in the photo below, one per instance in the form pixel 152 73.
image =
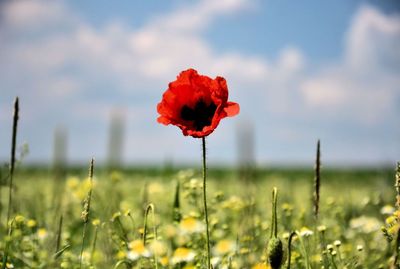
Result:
pixel 183 255
pixel 137 249
pixel 191 225
pixel 31 223
pixel 42 233
pixel 164 261
pixel 224 247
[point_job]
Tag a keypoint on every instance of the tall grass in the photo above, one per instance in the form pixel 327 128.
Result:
pixel 12 161
pixel 86 211
pixel 317 180
pixel 11 185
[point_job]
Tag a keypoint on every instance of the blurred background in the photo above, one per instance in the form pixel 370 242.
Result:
pixel 89 75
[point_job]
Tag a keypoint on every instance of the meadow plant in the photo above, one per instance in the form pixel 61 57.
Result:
pixel 275 246
pixel 176 211
pixel 10 180
pixel 196 104
pixel 317 180
pixel 86 210
pixel 13 159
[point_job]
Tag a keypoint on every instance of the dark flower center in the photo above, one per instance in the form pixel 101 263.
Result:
pixel 201 114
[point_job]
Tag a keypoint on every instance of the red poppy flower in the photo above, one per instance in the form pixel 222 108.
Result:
pixel 196 103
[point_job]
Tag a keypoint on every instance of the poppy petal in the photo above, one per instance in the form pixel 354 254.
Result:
pixel 231 109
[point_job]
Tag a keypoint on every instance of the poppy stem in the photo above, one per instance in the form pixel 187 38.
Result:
pixel 205 202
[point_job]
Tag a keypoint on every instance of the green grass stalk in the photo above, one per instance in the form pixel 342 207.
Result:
pixel 116 220
pixel 316 195
pixel 59 232
pixel 397 243
pixel 11 176
pixel 132 221
pixel 61 251
pixel 333 262
pixel 145 195
pixel 86 211
pixel 94 244
pixel 317 180
pixel 305 252
pixel 12 161
pixel 150 207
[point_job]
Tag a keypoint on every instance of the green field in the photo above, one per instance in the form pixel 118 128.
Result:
pixel 354 206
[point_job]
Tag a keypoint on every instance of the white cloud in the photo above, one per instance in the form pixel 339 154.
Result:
pixel 291 60
pixel 344 98
pixel 190 19
pixel 21 14
pixel 373 41
pixel 364 86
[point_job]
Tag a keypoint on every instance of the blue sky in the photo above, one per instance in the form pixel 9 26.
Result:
pixel 300 70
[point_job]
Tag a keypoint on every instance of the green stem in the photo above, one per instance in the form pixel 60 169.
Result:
pixel 118 264
pixel 205 202
pixel 132 221
pixel 58 238
pixel 83 244
pixel 146 213
pixel 290 248
pixel 148 208
pixel 176 213
pixel 12 166
pixel 7 246
pixel 94 245
pixel 124 235
pixel 274 221
pixel 333 262
pixel 305 252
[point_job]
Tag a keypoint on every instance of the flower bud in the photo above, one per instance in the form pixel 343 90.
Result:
pixel 275 253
